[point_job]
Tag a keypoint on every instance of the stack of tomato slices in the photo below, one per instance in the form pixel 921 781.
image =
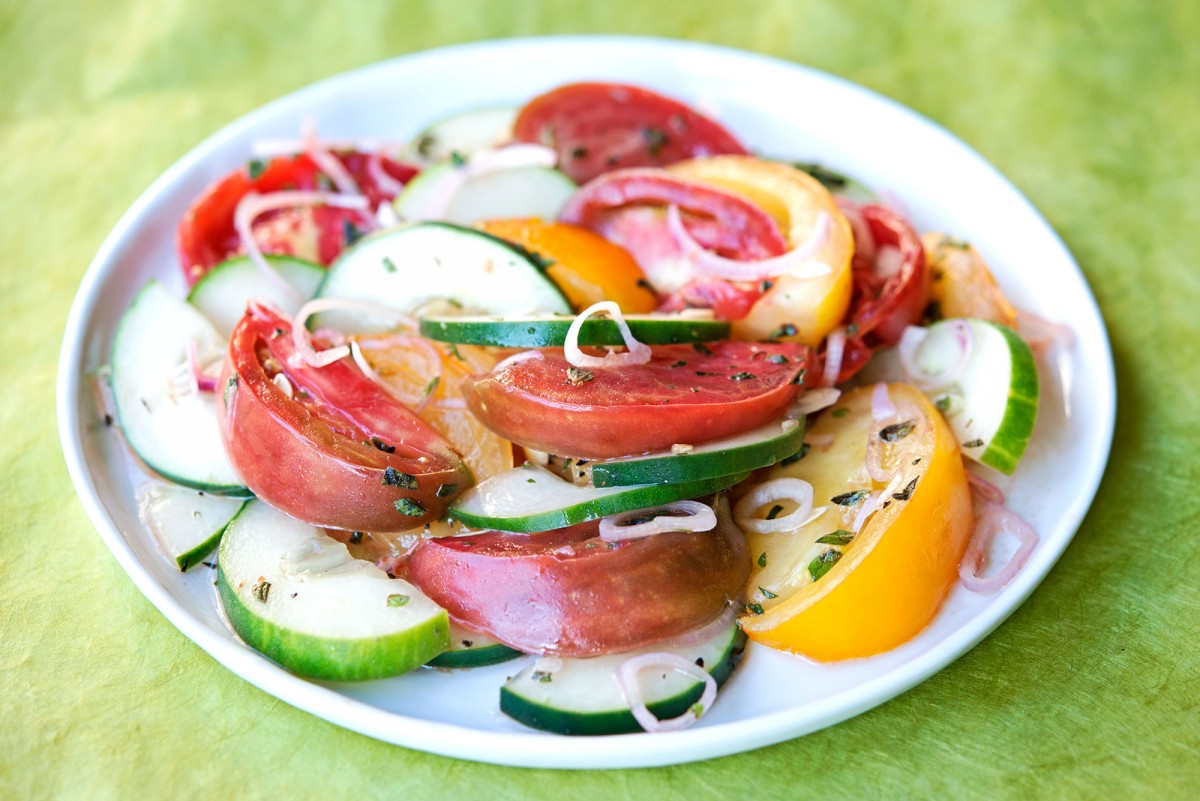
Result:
pixel 550 456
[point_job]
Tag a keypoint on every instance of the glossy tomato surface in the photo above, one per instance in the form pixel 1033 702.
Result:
pixel 570 593
pixel 328 445
pixel 206 235
pixel 598 127
pixel 684 395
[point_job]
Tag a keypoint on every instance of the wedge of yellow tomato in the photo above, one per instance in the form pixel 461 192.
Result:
pixel 797 309
pixel 888 580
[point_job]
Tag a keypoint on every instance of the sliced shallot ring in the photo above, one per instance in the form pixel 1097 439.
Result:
pixel 874 502
pixel 814 400
pixel 697 517
pixel 792 262
pixel 996 519
pixel 326 162
pixel 864 237
pixel 636 353
pixel 627 673
pixel 984 488
pixel 433 365
pixel 303 339
pixel 253 205
pixel 205 382
pixel 707 631
pixel 382 179
pixel 792 489
pixel 881 403
pixel 835 349
pixel 910 344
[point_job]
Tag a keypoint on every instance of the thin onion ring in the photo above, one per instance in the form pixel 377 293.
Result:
pixel 793 489
pixel 910 345
pixel 328 163
pixel 302 339
pixel 707 631
pixel 814 400
pixel 626 675
pixel 699 517
pixel 996 519
pixel 636 352
pixel 835 349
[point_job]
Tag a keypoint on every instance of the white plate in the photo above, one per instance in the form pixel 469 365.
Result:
pixel 777 108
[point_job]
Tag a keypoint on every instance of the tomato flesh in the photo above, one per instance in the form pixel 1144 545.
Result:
pixel 569 593
pixel 598 127
pixel 206 235
pixel 683 395
pixel 322 452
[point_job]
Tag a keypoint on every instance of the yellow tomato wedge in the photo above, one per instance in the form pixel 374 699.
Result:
pixel 814 306
pixel 888 580
pixel 961 284
pixel 587 267
pixel 410 370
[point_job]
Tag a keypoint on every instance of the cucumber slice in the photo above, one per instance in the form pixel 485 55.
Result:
pixel 408 267
pixel 519 192
pixel 547 331
pixel 465 134
pixel 222 294
pixel 296 595
pixel 529 499
pixel 167 423
pixel 470 649
pixel 187 523
pixel 762 447
pixel 991 402
pixel 582 696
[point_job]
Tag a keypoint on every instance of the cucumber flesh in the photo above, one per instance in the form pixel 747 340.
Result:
pixel 187 523
pixel 465 133
pixel 414 265
pixel 222 294
pixel 168 424
pixel 442 192
pixel 530 498
pixel 991 403
pixel 548 331
pixel 762 447
pixel 471 649
pixel 582 696
pixel 296 595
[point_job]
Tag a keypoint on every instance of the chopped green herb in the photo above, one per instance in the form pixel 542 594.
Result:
pixel 821 565
pixel 457 159
pixel 407 506
pixel 697 708
pixel 975 443
pixel 933 311
pixel 774 513
pixel 942 403
pixel 798 455
pixel 785 330
pixel 383 446
pixel 680 363
pixel 432 385
pixel 350 232
pixel 578 375
pixel 542 676
pixel 829 179
pixel 958 244
pixel 767 593
pixel 642 283
pixel 700 347
pixel 446 490
pixel 765 285
pixel 255 168
pixel 839 537
pixel 452 350
pixel 277 333
pixel 762 559
pixel 261 590
pixel 389 265
pixel 742 376
pixel 705 372
pixel 777 358
pixel 898 431
pixel 655 140
pixel 799 379
pixel 356 537
pixel 394 478
pixel 906 493
pixel 230 388
pixel 754 609
pixel 397 600
pixel 842 412
pixel 851 329
pixel 850 498
pixel 578 153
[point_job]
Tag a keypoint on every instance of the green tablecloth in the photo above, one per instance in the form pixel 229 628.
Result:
pixel 1092 689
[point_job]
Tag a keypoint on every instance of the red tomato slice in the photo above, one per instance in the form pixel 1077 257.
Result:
pixel 719 220
pixel 884 305
pixel 597 127
pixel 338 450
pixel 569 593
pixel 683 395
pixel 206 235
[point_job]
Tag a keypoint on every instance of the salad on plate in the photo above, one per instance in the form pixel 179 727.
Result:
pixel 585 385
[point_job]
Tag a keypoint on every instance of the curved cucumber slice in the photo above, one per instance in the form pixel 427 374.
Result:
pixel 295 594
pixel 529 499
pixel 548 331
pixel 761 447
pixel 187 523
pixel 408 267
pixel 465 133
pixel 470 649
pixel 222 294
pixel 169 425
pixel 442 192
pixel 582 696
pixel 991 402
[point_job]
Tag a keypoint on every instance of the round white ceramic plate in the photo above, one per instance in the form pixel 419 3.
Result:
pixel 776 108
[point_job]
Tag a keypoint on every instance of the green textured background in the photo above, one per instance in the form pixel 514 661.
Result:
pixel 1092 689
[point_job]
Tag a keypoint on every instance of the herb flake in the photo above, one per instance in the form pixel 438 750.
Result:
pixel 396 599
pixel 407 506
pixel 821 565
pixel 395 478
pixel 898 431
pixel 849 498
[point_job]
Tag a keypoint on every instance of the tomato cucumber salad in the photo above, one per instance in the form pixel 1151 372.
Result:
pixel 582 384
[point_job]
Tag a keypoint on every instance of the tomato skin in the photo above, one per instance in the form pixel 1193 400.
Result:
pixel 311 455
pixel 532 593
pixel 206 235
pixel 598 127
pixel 637 409
pixel 882 307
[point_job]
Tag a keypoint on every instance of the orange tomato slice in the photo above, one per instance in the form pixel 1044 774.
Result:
pixel 587 267
pixel 889 579
pixel 961 283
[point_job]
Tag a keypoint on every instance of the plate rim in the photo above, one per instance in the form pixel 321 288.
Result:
pixel 534 749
